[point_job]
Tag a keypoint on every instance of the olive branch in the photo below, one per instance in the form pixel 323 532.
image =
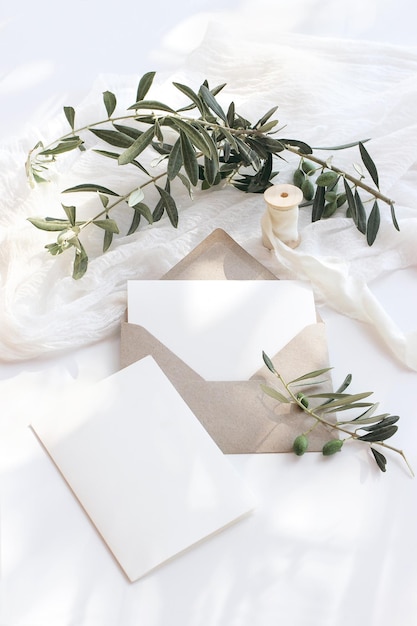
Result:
pixel 211 146
pixel 367 428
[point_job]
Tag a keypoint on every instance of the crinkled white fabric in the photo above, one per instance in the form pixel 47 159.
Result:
pixel 328 91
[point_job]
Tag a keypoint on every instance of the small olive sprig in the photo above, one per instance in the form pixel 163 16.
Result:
pixel 367 427
pixel 320 180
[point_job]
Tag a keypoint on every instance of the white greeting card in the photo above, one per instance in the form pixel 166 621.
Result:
pixel 144 469
pixel 220 327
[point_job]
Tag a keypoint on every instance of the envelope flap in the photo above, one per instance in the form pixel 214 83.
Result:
pixel 306 352
pixel 219 257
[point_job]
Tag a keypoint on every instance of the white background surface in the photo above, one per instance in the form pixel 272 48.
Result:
pixel 333 541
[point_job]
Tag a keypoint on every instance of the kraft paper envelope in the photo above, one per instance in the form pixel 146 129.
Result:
pixel 142 466
pixel 237 414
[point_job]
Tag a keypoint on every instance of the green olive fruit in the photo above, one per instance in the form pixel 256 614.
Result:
pixel 327 178
pixel 308 167
pixel 341 199
pixel 303 399
pixel 329 209
pixel 300 445
pixel 332 446
pixel 330 196
pixel 298 178
pixel 308 189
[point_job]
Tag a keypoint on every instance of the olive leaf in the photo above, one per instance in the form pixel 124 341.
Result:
pixel 380 459
pixel 145 84
pixel 189 158
pixel 158 131
pixel 301 146
pixel 169 204
pixel 345 384
pixel 369 164
pixel 135 197
pixel 318 204
pixel 353 212
pixel 66 145
pixel 90 187
pixel 196 138
pixel 130 131
pixel 134 225
pixel 263 120
pixel 49 223
pixel 209 140
pixel 142 209
pixel 343 146
pixel 373 224
pixel 115 156
pixel 70 212
pixel 137 147
pixel 212 103
pixel 110 102
pixel 107 224
pixel 186 183
pixel 380 434
pixel 360 213
pixel 210 171
pixel 113 137
pixel 175 161
pixel 153 105
pixel 80 262
pixel 385 421
pixel 110 228
pixel 371 419
pixel 309 375
pixel 248 155
pixel 393 216
pixel 367 416
pixel 268 363
pixel 273 393
pixel 70 115
pixel 104 200
pixel 191 94
pixel 107 240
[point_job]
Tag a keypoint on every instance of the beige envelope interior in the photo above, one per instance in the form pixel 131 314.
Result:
pixel 238 415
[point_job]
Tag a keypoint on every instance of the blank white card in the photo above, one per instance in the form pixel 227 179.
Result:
pixel 147 473
pixel 219 328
